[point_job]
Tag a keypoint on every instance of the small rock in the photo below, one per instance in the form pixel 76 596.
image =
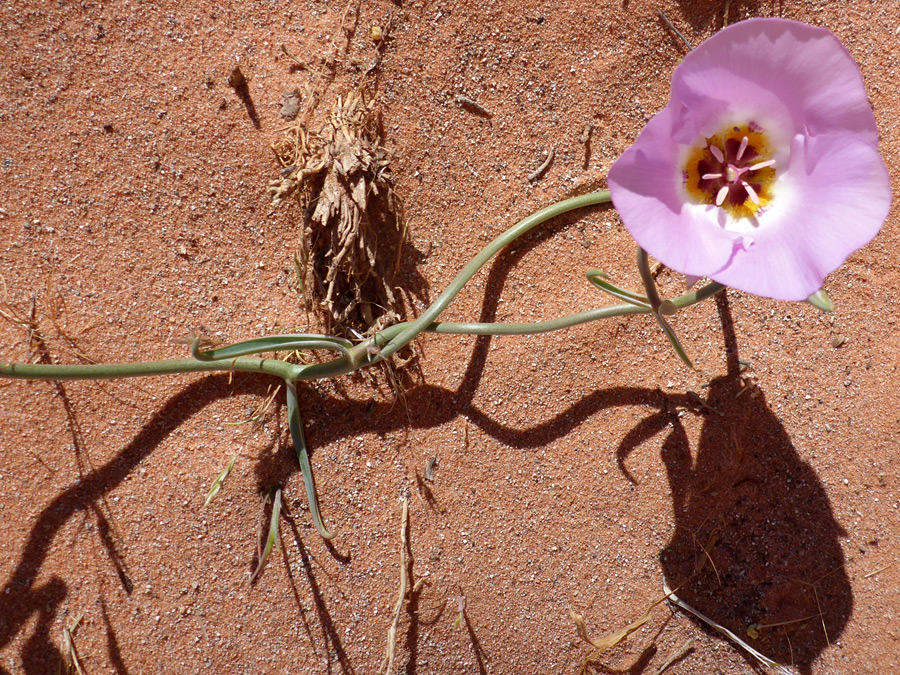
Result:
pixel 290 104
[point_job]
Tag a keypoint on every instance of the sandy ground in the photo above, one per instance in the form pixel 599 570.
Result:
pixel 575 470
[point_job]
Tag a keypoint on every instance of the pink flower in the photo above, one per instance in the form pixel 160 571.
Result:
pixel 762 172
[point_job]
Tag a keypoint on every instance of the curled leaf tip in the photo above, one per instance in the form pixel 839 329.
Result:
pixel 820 300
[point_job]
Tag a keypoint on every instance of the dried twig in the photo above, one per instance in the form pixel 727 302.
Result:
pixel 388 664
pixel 878 571
pixel 466 102
pixel 611 640
pixel 429 468
pixel 302 65
pixel 70 654
pixel 538 172
pixel 586 133
pixel 759 656
pixel 675 30
pixel 237 80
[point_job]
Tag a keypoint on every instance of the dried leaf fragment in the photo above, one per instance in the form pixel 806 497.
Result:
pixel 342 176
pixel 608 641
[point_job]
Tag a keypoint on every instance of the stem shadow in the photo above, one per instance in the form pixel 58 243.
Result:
pixel 744 502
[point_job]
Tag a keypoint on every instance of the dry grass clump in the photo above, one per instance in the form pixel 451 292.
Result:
pixel 352 218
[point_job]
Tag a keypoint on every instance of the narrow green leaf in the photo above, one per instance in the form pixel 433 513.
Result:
pixel 673 338
pixel 274 343
pixel 217 483
pixel 295 423
pixel 271 538
pixel 598 278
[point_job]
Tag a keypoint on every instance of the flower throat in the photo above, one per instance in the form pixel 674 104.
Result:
pixel 732 171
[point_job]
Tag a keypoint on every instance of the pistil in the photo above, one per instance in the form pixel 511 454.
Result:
pixel 734 173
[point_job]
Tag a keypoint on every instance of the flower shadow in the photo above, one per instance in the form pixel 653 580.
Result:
pixel 756 547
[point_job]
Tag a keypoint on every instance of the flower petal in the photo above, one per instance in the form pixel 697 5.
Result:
pixel 789 70
pixel 645 183
pixel 831 201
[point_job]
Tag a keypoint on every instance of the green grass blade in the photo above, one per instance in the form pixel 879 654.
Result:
pixel 217 483
pixel 271 538
pixel 295 423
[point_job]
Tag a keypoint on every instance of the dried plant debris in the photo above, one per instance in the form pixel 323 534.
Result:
pixel 352 218
pixel 608 641
pixel 71 662
pixel 759 656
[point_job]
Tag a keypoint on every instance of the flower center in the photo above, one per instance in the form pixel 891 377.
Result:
pixel 732 170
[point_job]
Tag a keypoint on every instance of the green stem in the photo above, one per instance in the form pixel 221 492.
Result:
pixel 396 336
pixel 381 345
pixel 517 230
pixel 109 371
pixel 340 366
pixel 234 357
pixel 609 312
